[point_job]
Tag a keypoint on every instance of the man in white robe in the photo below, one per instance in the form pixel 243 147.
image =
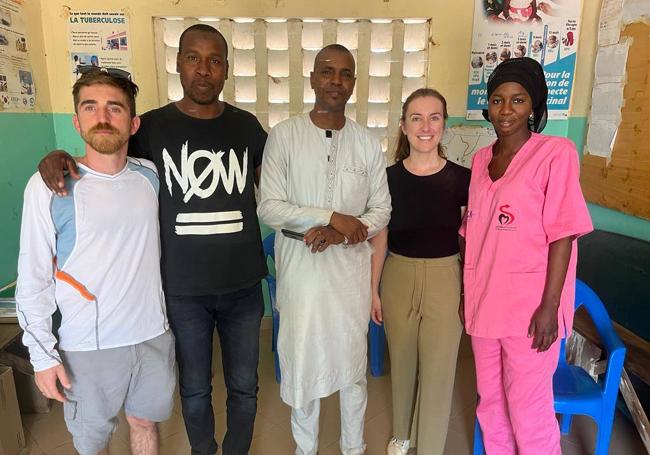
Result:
pixel 324 175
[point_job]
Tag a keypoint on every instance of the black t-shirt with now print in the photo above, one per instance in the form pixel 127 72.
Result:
pixel 210 234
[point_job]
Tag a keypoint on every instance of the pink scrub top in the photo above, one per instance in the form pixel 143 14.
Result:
pixel 508 227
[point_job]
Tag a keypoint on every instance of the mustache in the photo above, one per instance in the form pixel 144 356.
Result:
pixel 203 80
pixel 103 127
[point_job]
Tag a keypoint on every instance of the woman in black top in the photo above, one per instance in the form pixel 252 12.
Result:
pixel 421 278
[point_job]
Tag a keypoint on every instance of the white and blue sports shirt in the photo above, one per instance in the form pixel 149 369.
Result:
pixel 94 255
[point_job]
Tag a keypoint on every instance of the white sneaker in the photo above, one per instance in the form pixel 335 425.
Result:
pixel 398 447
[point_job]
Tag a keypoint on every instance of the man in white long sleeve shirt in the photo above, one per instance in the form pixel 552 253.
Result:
pixel 95 256
pixel 324 175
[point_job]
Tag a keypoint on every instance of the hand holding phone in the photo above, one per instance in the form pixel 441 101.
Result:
pixel 293 235
pixel 319 238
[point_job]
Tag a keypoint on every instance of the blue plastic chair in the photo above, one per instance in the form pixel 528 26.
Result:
pixel 575 392
pixel 376 335
pixel 269 252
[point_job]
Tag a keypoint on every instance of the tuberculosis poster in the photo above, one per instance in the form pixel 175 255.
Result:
pixel 546 31
pixel 16 81
pixel 100 39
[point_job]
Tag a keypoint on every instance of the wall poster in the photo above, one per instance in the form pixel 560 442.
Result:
pixel 545 30
pixel 98 38
pixel 16 81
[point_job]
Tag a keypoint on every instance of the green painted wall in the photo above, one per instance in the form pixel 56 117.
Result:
pixel 24 139
pixel 67 137
pixel 619 223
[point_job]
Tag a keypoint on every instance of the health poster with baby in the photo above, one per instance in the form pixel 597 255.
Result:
pixel 546 31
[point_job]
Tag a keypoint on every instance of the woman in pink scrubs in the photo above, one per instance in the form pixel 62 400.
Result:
pixel 524 214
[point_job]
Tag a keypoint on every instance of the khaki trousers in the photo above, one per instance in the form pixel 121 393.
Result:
pixel 420 300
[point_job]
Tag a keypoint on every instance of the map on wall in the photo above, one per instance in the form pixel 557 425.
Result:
pixel 462 141
pixel 16 81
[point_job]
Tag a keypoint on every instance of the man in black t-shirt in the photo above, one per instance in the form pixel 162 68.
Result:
pixel 208 155
pixel 209 230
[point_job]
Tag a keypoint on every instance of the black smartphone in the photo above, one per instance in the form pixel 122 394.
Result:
pixel 293 235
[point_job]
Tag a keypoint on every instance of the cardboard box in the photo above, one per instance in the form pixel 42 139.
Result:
pixel 12 438
pixel 30 399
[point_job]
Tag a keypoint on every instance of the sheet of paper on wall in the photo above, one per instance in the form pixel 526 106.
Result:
pixel 635 11
pixel 609 26
pixel 606 102
pixel 601 137
pixel 611 61
pixel 98 38
pixel 17 90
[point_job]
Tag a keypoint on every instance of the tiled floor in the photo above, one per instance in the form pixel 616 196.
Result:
pixel 46 433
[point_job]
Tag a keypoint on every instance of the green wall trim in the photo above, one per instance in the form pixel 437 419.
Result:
pixel 577 132
pixel 67 137
pixel 619 223
pixel 24 139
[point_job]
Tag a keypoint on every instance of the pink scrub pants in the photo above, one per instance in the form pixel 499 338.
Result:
pixel 515 388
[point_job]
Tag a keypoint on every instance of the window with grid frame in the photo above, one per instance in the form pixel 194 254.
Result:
pixel 270 61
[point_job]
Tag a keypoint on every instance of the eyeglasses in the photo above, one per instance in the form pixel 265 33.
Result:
pixel 114 72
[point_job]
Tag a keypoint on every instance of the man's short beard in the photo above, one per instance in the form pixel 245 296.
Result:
pixel 106 145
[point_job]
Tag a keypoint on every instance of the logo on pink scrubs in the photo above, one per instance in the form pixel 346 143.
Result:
pixel 505 219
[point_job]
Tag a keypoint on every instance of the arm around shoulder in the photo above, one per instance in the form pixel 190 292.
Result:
pixel 52 167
